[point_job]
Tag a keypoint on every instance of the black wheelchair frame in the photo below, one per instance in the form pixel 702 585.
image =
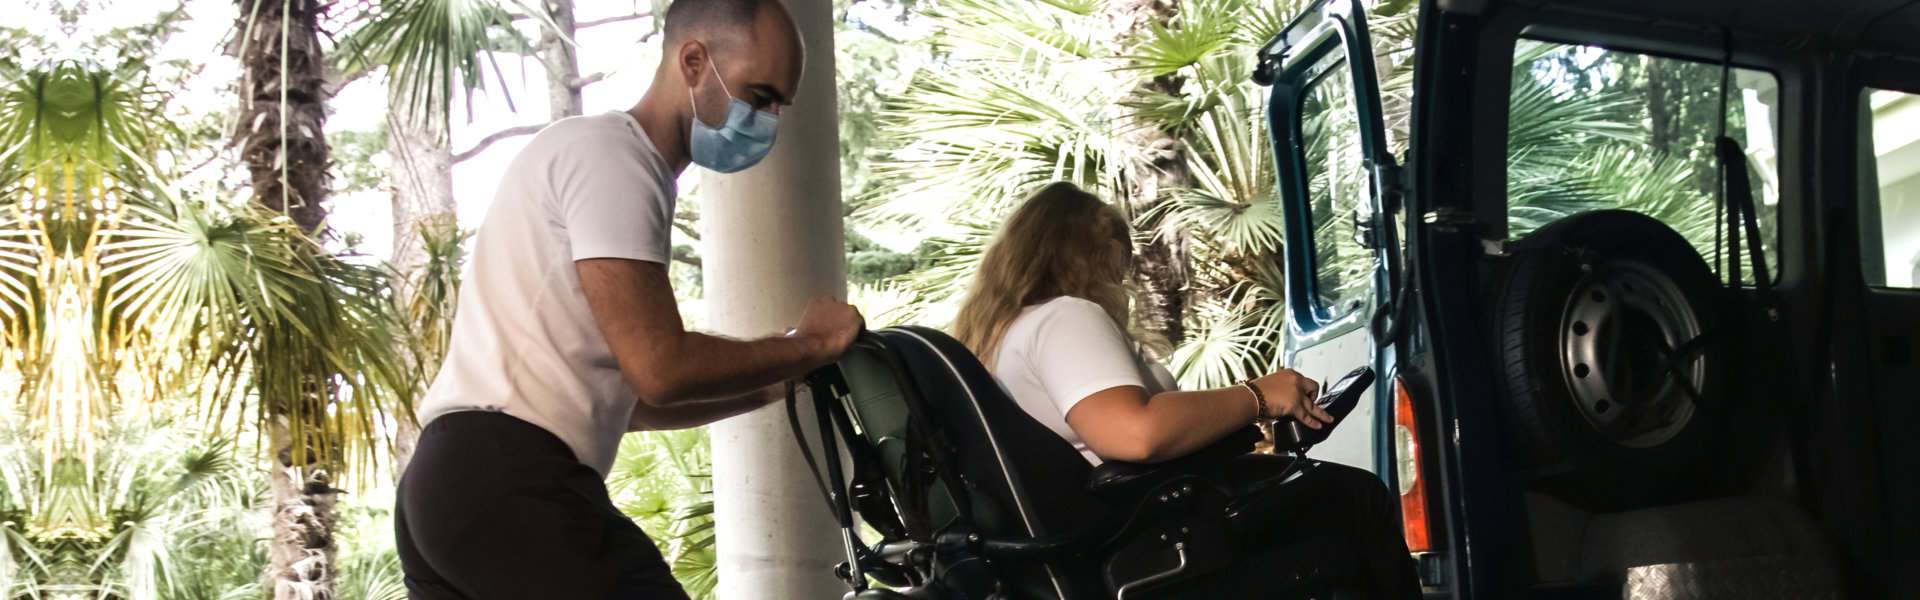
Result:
pixel 954 504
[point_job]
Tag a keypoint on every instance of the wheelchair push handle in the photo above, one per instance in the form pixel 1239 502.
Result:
pixel 1338 400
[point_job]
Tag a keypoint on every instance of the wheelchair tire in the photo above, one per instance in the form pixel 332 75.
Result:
pixel 1606 327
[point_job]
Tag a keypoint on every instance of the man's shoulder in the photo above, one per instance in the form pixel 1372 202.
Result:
pixel 566 134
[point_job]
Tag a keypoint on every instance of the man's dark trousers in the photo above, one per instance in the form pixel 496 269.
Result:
pixel 493 507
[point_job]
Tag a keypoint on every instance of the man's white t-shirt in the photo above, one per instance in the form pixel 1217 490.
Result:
pixel 524 342
pixel 1058 352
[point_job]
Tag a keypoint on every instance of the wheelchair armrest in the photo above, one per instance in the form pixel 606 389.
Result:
pixel 1115 478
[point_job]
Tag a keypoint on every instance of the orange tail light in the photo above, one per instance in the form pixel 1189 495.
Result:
pixel 1411 475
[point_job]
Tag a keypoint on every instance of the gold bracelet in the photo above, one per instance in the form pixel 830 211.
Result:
pixel 1259 399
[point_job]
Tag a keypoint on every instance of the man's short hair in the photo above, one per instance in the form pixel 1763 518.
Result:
pixel 687 17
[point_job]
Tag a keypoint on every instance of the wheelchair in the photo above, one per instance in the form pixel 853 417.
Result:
pixel 972 499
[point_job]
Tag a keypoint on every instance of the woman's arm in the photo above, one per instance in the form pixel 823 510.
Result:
pixel 1122 423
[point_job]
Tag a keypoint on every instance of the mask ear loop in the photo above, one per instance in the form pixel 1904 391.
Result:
pixel 716 77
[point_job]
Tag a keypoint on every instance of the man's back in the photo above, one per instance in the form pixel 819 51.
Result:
pixel 524 341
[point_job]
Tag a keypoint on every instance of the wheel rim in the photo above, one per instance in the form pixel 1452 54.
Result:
pixel 1621 329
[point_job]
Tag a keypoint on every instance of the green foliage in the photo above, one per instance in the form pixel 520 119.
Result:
pixel 254 307
pixel 155 512
pixel 870 64
pixel 369 564
pixel 358 164
pixel 869 262
pixel 664 481
pixel 429 47
pixel 1021 93
pixel 436 293
pixel 1591 129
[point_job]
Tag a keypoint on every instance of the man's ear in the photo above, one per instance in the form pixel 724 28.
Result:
pixel 692 62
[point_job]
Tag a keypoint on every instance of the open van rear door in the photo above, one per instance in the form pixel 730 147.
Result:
pixel 1341 251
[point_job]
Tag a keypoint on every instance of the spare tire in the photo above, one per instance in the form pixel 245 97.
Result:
pixel 1604 325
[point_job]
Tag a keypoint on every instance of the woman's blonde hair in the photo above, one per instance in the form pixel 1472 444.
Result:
pixel 1063 241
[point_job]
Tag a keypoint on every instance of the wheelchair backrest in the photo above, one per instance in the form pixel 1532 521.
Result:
pixel 937 424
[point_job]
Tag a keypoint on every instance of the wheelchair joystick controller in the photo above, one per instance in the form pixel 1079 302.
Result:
pixel 1337 399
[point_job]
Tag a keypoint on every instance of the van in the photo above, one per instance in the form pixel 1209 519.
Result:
pixel 1642 278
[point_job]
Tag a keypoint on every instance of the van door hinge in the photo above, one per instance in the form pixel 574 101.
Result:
pixel 1388 179
pixel 1447 219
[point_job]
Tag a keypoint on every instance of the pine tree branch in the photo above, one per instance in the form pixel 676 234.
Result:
pixel 687 229
pixel 685 255
pixel 497 136
pixel 586 24
pixel 584 81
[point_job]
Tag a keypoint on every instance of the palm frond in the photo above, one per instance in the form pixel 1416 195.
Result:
pixel 243 288
pixel 1201 30
pixel 431 50
pixel 663 480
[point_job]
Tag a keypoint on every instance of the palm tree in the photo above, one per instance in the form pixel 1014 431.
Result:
pixel 281 134
pixel 303 341
pixel 281 125
pixel 432 51
pixel 259 309
pixel 119 295
pixel 1158 161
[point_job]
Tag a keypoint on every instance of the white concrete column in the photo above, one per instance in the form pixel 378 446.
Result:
pixel 773 239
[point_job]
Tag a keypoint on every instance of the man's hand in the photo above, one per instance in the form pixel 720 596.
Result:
pixel 832 325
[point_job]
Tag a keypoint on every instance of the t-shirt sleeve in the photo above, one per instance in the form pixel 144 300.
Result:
pixel 1077 350
pixel 611 204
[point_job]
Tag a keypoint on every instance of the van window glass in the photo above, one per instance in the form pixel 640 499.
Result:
pixel 1336 189
pixel 1892 232
pixel 1591 128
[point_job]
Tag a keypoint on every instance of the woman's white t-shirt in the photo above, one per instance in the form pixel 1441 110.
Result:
pixel 1058 352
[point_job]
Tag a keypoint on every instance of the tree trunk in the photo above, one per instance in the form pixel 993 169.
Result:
pixel 561 60
pixel 281 133
pixel 1163 166
pixel 302 555
pixel 1659 114
pixel 422 198
pixel 422 188
pixel 283 108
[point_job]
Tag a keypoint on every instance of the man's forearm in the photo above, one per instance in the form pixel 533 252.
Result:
pixel 633 305
pixel 694 413
pixel 706 367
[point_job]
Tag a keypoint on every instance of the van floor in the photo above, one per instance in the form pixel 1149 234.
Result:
pixel 1750 547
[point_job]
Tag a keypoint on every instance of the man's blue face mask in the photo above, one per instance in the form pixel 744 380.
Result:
pixel 739 142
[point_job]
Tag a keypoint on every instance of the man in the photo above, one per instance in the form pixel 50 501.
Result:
pixel 568 335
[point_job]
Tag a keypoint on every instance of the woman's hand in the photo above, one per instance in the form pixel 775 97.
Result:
pixel 1289 395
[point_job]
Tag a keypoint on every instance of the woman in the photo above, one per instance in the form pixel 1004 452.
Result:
pixel 1048 314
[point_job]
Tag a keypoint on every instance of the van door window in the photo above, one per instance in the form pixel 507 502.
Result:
pixel 1591 128
pixel 1891 231
pixel 1336 189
